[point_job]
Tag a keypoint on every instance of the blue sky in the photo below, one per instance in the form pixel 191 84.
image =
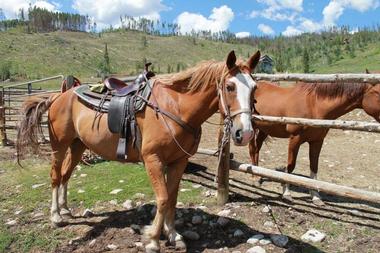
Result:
pixel 243 17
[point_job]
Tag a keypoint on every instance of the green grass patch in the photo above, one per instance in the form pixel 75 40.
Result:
pixel 5 239
pixel 96 181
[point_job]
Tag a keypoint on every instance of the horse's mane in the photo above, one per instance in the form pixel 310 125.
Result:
pixel 207 72
pixel 334 90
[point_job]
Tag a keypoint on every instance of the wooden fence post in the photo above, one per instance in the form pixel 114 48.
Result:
pixel 223 169
pixel 3 135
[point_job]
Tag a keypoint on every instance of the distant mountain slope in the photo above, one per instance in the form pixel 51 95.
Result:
pixel 43 54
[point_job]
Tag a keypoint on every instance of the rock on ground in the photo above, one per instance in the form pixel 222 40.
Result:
pixel 313 235
pixel 266 209
pixel 224 213
pixel 191 235
pixel 87 213
pixel 256 249
pixel 116 191
pixel 222 221
pixel 112 246
pixel 279 240
pixel 196 220
pixel 265 241
pixel 128 204
pixel 238 233
pixel 255 239
pixel 35 186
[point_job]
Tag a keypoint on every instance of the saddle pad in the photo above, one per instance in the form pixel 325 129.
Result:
pixel 91 99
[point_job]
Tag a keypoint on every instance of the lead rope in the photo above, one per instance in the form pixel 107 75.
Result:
pixel 226 128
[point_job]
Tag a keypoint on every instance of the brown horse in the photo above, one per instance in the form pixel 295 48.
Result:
pixel 193 95
pixel 313 101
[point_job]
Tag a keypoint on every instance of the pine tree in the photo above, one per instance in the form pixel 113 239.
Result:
pixel 306 61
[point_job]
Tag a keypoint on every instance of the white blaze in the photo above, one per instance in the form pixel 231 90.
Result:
pixel 244 85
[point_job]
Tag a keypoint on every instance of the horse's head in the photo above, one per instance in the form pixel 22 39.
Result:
pixel 235 96
pixel 371 102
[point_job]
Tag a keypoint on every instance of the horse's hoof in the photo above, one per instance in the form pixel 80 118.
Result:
pixel 57 221
pixel 58 224
pixel 66 214
pixel 180 246
pixel 288 198
pixel 152 248
pixel 318 202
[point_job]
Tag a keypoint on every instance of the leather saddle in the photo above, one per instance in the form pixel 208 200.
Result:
pixel 121 102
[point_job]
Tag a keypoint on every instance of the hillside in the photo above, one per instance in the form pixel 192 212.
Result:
pixel 37 55
pixel 44 54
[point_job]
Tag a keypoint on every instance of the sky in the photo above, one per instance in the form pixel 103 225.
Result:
pixel 242 17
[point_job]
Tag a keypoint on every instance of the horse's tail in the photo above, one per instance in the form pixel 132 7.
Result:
pixel 29 126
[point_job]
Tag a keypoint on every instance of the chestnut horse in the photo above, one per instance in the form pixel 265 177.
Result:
pixel 313 101
pixel 192 95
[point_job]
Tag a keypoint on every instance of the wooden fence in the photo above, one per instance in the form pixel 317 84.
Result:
pixel 11 98
pixel 229 164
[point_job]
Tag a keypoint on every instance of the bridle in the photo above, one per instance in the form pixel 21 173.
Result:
pixel 228 115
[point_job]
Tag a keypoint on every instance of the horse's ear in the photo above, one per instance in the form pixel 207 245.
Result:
pixel 254 60
pixel 231 60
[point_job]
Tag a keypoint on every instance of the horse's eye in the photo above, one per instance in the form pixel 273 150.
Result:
pixel 230 87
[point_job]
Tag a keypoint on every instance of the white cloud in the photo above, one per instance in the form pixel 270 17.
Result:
pixel 331 14
pixel 284 4
pixel 266 29
pixel 291 31
pixel 108 12
pixel 279 10
pixel 219 20
pixel 12 8
pixel 242 34
pixel 308 25
pixel 335 9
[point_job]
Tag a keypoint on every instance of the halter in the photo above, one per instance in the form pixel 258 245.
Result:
pixel 222 96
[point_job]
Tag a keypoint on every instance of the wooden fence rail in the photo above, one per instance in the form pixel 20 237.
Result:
pixel 321 78
pixel 308 183
pixel 336 124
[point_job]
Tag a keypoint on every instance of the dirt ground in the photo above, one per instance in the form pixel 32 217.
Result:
pixel 348 158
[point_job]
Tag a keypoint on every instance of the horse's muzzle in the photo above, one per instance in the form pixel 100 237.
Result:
pixel 242 131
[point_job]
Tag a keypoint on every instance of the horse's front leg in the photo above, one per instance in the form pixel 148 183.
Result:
pixel 254 150
pixel 293 148
pixel 314 151
pixel 174 175
pixel 155 170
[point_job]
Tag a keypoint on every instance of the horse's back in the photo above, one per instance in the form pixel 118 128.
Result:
pixel 273 100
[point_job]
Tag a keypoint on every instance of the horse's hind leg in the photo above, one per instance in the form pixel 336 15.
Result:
pixel 314 151
pixel 155 170
pixel 174 175
pixel 73 157
pixel 55 175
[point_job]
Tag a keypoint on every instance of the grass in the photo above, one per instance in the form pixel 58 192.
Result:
pixel 100 180
pixel 365 58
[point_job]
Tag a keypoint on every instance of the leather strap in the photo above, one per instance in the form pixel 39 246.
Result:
pixel 240 111
pixel 175 118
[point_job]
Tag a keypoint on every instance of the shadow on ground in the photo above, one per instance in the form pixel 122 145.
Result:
pixel 124 228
